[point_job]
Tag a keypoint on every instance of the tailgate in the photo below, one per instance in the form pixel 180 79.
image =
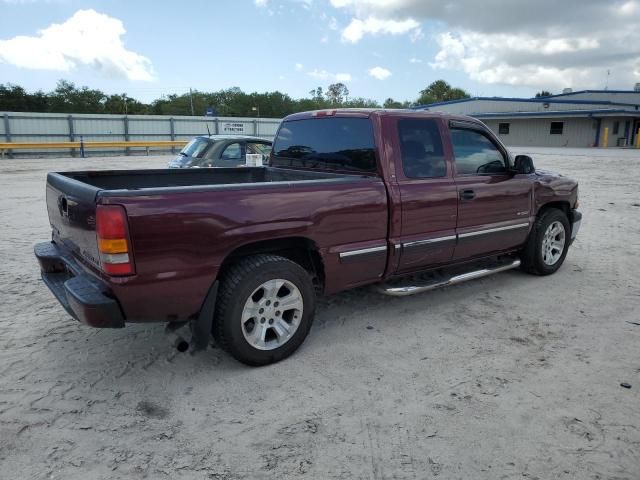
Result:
pixel 71 206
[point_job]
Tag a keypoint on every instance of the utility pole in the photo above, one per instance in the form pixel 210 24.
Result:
pixel 191 100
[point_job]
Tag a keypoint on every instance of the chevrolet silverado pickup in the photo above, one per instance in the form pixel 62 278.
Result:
pixel 407 200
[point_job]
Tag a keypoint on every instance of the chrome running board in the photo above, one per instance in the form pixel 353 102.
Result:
pixel 419 285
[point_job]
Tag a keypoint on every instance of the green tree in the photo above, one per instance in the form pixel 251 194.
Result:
pixel 440 91
pixel 543 93
pixel 391 103
pixel 360 102
pixel 69 99
pixel 337 93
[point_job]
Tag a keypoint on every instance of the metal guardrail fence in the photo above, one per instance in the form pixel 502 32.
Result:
pixel 81 145
pixel 45 133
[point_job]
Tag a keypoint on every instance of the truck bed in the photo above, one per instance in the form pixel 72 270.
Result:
pixel 184 223
pixel 146 180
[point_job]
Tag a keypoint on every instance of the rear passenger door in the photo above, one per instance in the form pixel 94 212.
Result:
pixel 428 194
pixel 494 205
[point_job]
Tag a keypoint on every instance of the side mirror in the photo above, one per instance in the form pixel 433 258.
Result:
pixel 524 165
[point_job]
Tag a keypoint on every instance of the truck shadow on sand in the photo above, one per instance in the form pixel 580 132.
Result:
pixel 345 315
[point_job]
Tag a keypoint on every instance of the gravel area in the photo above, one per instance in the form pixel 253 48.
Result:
pixel 507 377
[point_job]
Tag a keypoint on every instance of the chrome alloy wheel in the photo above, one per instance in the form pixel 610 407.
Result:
pixel 553 243
pixel 272 314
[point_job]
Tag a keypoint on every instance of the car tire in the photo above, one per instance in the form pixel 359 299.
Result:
pixel 547 244
pixel 264 309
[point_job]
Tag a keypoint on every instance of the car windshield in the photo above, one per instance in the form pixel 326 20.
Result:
pixel 195 148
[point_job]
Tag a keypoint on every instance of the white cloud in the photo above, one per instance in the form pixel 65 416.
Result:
pixel 415 60
pixel 379 73
pixel 333 23
pixel 354 32
pixel 88 38
pixel 324 39
pixel 299 67
pixel 486 58
pixel 260 3
pixel 519 42
pixel 325 75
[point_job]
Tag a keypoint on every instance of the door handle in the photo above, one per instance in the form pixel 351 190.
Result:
pixel 467 194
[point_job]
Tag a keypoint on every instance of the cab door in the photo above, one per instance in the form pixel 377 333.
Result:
pixel 427 191
pixel 494 204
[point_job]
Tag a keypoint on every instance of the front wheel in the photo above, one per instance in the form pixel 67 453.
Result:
pixel 547 244
pixel 264 310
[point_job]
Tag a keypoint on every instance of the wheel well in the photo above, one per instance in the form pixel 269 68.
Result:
pixel 300 250
pixel 562 206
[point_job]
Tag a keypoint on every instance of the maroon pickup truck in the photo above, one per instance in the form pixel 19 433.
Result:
pixel 404 199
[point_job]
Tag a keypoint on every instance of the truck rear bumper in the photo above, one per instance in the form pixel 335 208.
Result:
pixel 81 295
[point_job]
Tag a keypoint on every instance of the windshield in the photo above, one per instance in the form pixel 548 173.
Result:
pixel 195 148
pixel 336 143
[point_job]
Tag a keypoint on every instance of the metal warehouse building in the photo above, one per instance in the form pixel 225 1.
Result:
pixel 588 118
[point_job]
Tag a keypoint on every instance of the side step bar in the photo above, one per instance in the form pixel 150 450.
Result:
pixel 411 288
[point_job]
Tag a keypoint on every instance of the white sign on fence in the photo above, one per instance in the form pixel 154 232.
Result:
pixel 232 127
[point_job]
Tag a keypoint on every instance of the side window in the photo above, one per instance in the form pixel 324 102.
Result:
pixel 232 152
pixel 475 153
pixel 421 148
pixel 258 147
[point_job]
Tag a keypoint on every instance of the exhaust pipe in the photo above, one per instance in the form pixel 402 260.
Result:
pixel 177 334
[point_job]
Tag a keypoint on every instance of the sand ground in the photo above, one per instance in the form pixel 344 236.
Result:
pixel 507 377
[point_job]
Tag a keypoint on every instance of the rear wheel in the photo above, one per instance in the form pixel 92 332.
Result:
pixel 547 244
pixel 265 309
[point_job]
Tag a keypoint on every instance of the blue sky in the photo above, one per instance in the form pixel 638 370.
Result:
pixel 382 49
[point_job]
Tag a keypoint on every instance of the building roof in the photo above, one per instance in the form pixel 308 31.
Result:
pixel 530 100
pixel 558 113
pixel 603 103
pixel 592 91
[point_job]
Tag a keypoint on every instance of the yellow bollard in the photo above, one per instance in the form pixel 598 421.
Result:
pixel 605 138
pixel 638 138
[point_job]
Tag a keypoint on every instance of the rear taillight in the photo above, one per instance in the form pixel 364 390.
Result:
pixel 113 240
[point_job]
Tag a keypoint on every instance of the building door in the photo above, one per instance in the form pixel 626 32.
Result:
pixel 494 205
pixel 634 133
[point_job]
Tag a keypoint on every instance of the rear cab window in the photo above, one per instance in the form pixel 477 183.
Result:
pixel 329 143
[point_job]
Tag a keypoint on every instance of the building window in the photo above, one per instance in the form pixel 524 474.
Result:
pixel 616 128
pixel 556 128
pixel 503 128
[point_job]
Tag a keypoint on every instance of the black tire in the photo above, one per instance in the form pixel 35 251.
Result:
pixel 532 256
pixel 237 285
